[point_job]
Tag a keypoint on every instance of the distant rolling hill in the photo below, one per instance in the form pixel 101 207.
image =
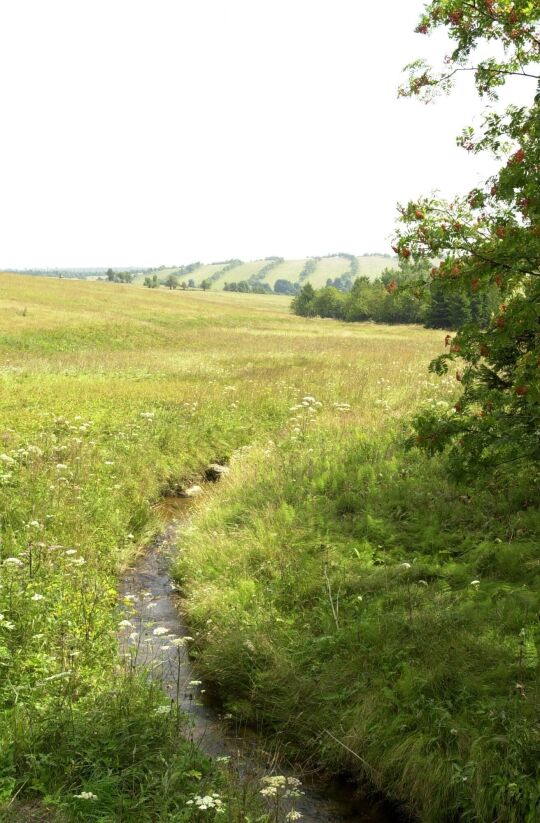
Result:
pixel 322 269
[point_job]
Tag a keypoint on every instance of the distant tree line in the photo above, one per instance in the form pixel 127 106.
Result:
pixel 392 298
pixel 228 265
pixel 281 286
pixel 119 276
pixel 246 287
pixel 259 276
pixel 309 268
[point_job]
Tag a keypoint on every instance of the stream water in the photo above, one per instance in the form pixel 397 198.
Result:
pixel 156 604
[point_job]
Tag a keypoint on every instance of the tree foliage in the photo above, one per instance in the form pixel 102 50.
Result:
pixel 393 298
pixel 487 240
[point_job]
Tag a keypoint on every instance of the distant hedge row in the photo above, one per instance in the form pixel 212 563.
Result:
pixel 392 299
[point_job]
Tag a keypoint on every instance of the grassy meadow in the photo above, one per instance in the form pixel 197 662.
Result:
pixel 373 616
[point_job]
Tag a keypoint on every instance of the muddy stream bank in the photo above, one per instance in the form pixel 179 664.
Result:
pixel 157 604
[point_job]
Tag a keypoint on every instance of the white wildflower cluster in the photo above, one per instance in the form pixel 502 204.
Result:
pixel 207 801
pixel 35 451
pixel 308 402
pixel 163 709
pixel 13 562
pixel 281 786
pixel 6 624
pixel 125 624
pixel 192 408
pixel 86 796
pixel 342 407
pixel 304 413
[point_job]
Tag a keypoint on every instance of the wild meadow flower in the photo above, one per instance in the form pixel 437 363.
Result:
pixel 70 552
pixel 125 624
pixel 9 461
pixel 474 583
pixel 208 801
pixel 86 796
pixel 160 630
pixel 61 467
pixel 195 682
pixel 34 450
pixel 13 561
pixel 293 815
pixel 280 785
pixel 36 597
pixel 405 565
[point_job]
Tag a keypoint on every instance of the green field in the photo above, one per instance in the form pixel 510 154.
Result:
pixel 345 596
pixel 327 267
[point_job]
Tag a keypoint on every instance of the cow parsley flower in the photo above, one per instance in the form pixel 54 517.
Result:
pixel 125 624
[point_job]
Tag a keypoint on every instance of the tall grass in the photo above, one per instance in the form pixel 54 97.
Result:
pixel 379 620
pixel 111 396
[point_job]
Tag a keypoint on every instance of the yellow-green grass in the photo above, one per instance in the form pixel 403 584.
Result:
pixel 112 395
pixel 109 395
pixel 288 270
pixel 203 273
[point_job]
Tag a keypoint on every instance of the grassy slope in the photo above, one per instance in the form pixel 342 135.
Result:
pixel 417 672
pixel 109 394
pixel 289 270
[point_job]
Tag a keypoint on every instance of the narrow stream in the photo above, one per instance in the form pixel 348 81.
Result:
pixel 156 604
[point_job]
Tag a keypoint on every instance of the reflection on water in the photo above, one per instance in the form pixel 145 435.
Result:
pixel 155 640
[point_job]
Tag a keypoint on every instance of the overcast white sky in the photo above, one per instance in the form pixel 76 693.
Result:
pixel 143 132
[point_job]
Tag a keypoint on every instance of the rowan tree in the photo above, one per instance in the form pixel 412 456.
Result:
pixel 486 240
